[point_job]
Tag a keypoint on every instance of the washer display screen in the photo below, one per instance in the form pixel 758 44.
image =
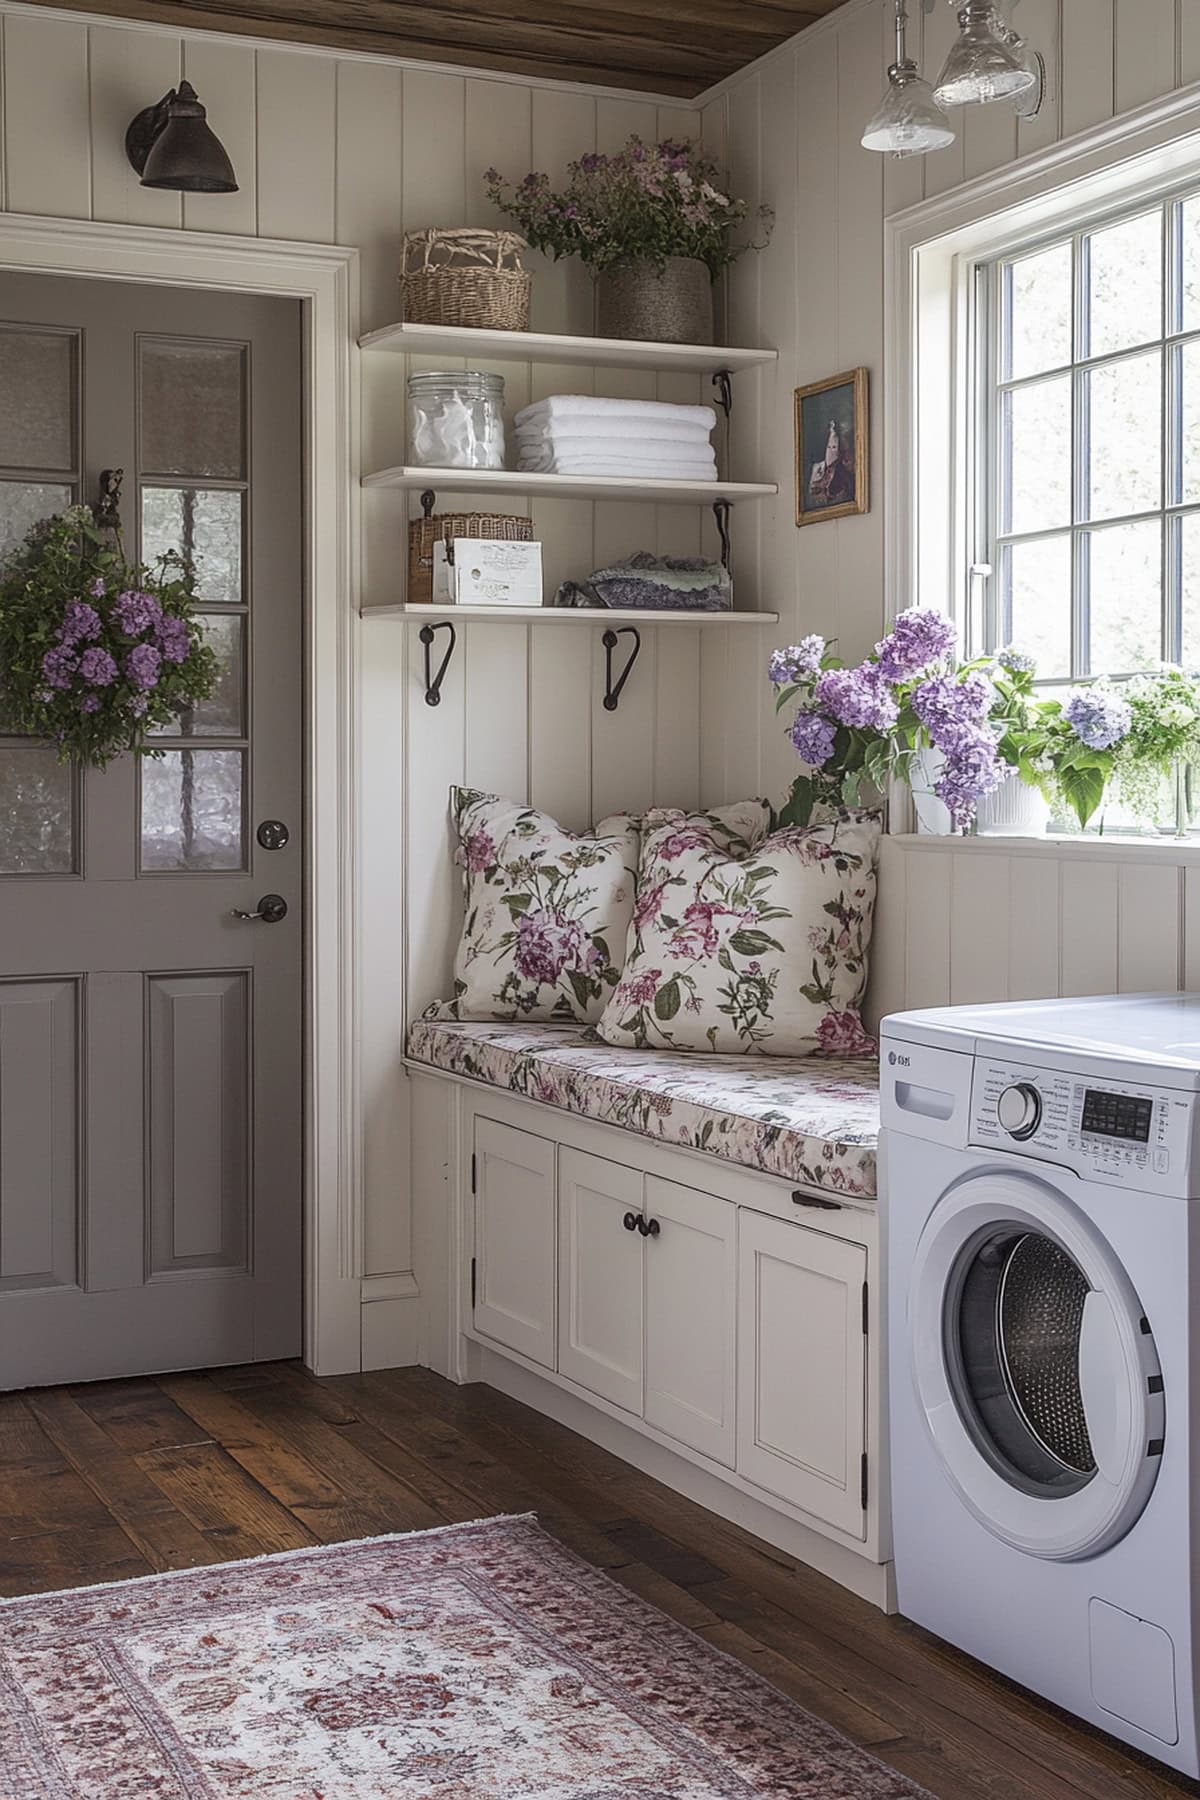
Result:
pixel 1117 1115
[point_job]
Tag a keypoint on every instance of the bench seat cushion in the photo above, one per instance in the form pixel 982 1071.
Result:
pixel 813 1121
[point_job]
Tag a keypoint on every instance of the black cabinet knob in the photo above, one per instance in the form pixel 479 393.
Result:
pixel 631 1222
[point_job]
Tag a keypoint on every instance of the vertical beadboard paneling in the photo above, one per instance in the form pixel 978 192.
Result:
pixel 1041 24
pixel 979 928
pixel 436 737
pixel 1089 927
pixel 1149 907
pixel 369 196
pixel 677 720
pixel 434 149
pixel 1189 41
pixel 496 665
pixel 623 741
pixel 928 922
pixel 1087 74
pixel 560 744
pixel 619 120
pixel 46 116
pixel 222 73
pixel 1143 51
pixel 297 145
pixel 1191 930
pixel 945 168
pixel 499 135
pixel 1033 939
pixel 887 990
pixel 563 128
pixel 124 69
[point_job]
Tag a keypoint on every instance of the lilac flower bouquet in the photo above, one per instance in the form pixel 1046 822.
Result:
pixel 646 203
pixel 95 652
pixel 911 706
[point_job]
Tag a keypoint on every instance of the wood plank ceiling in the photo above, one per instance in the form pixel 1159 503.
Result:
pixel 661 46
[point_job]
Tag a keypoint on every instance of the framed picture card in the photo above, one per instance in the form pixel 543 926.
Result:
pixel 831 448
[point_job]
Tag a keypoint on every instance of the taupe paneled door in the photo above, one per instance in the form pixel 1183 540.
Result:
pixel 150 1040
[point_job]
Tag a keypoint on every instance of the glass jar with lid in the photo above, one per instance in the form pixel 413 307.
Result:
pixel 456 420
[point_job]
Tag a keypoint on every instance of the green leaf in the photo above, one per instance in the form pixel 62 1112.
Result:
pixel 752 943
pixel 1083 790
pixel 518 903
pixel 667 1001
pixel 581 987
pixel 798 807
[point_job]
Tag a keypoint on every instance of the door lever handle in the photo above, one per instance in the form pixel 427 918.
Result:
pixel 271 908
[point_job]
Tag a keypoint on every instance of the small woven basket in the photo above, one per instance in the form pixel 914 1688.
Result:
pixel 439 528
pixel 465 277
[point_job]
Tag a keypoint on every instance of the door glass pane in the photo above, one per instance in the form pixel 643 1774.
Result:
pixel 22 504
pixel 1037 456
pixel 1125 597
pixel 38 411
pixel 192 409
pixel 1185 482
pixel 36 812
pixel 1124 284
pixel 1123 402
pixel 223 713
pixel 1036 603
pixel 192 809
pixel 1038 324
pixel 205 526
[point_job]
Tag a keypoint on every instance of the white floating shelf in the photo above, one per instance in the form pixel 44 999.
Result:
pixel 568 487
pixel 556 347
pixel 571 615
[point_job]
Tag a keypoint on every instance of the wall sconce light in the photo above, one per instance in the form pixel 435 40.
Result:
pixel 171 145
pixel 990 61
pixel 909 121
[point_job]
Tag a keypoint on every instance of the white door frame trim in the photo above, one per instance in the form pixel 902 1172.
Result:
pixel 325 280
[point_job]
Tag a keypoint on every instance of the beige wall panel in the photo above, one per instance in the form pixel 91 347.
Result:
pixel 297 146
pixel 46 119
pixel 127 70
pixel 222 73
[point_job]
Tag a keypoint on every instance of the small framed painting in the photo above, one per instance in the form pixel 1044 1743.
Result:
pixel 831 448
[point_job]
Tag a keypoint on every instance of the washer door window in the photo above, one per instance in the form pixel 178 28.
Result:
pixel 1037 1375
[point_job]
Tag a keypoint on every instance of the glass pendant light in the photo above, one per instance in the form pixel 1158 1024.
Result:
pixel 987 61
pixel 908 122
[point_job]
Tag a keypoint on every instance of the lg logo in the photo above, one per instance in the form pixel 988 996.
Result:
pixel 895 1058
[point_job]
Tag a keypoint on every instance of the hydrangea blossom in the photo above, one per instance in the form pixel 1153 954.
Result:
pixel 813 735
pixel 137 612
pixel 58 666
pixel 142 666
pixel 972 770
pixel 1098 718
pixel 951 711
pixel 548 942
pixel 858 697
pixel 97 667
pixel 172 638
pixel 919 638
pixel 90 703
pixel 81 622
pixel 1017 662
pixel 804 658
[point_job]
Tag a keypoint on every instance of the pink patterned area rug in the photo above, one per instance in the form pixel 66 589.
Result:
pixel 478 1662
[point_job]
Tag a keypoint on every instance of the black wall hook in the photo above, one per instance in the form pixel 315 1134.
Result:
pixel 721 511
pixel 433 683
pixel 612 689
pixel 724 386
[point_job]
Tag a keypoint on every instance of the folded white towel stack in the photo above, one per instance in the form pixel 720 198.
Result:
pixel 580 434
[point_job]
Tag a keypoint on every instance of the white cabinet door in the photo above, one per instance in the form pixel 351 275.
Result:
pixel 801 1368
pixel 691 1301
pixel 515 1239
pixel 600 1277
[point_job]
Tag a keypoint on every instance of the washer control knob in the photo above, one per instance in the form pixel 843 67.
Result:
pixel 1020 1110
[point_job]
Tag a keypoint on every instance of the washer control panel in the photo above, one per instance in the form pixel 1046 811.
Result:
pixel 1137 1136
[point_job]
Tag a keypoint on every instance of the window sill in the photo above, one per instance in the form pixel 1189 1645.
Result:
pixel 1180 852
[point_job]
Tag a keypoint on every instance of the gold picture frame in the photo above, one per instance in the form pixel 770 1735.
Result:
pixel 831 473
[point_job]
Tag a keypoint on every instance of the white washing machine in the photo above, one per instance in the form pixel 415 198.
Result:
pixel 1041 1203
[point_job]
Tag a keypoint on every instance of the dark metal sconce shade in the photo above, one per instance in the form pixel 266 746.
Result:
pixel 171 145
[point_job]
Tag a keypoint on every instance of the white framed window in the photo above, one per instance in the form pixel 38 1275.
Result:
pixel 1083 446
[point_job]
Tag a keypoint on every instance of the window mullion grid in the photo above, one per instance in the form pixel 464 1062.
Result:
pixel 1172 435
pixel 995 624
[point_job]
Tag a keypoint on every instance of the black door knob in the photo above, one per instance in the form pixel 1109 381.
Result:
pixel 273 834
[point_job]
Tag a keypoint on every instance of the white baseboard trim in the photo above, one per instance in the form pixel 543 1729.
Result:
pixel 391 1319
pixel 874 1582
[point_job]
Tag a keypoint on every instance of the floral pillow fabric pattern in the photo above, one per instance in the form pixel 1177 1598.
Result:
pixel 547 912
pixel 758 947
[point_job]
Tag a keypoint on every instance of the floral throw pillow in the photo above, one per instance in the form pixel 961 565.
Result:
pixel 758 948
pixel 548 912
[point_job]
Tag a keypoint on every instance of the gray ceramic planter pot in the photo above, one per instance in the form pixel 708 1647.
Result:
pixel 672 305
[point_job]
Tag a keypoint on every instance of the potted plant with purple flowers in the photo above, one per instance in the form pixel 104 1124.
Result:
pixel 955 732
pixel 95 653
pixel 652 220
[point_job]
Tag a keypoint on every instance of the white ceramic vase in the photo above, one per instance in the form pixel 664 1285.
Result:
pixel 1014 810
pixel 933 815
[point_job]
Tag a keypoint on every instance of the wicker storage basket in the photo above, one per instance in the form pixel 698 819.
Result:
pixel 438 528
pixel 465 277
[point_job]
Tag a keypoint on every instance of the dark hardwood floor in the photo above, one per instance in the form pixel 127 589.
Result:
pixel 121 1479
